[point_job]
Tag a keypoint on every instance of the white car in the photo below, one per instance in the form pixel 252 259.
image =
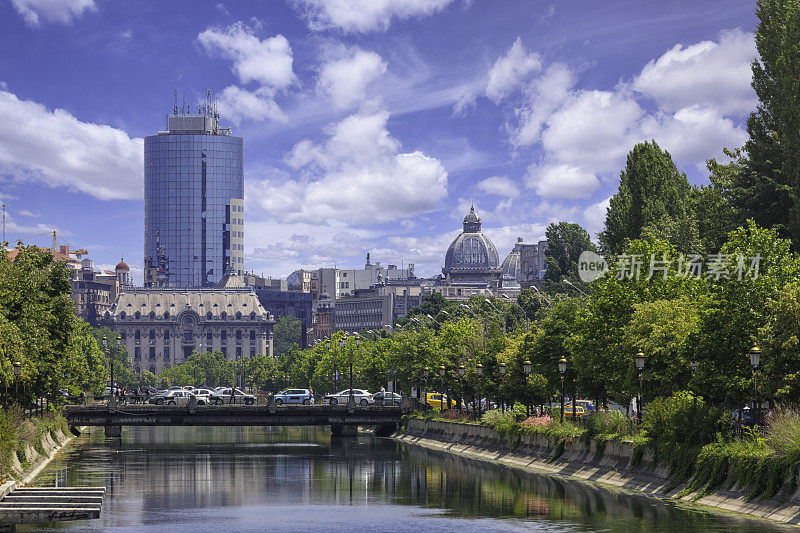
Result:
pixel 173 397
pixel 203 396
pixel 361 397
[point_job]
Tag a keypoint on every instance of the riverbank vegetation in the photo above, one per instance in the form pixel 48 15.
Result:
pixel 18 433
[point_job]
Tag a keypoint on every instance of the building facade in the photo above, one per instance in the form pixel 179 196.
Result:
pixel 376 308
pixel 193 202
pixel 533 263
pixel 162 327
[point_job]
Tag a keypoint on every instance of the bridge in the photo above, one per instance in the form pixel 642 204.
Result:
pixel 343 419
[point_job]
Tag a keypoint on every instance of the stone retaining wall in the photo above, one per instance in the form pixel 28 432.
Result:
pixel 610 465
pixel 36 461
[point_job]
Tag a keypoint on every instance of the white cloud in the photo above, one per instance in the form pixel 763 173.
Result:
pixel 694 133
pixel 267 62
pixel 562 181
pixel 344 78
pixel 63 11
pixel 593 130
pixel 57 149
pixel 26 213
pixel 499 186
pixel 714 74
pixel 357 175
pixel 237 104
pixel 511 70
pixel 594 217
pixel 543 96
pixel 354 16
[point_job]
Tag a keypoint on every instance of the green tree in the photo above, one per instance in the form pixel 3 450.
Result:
pixel 651 191
pixel 665 331
pixel 287 332
pixel 39 329
pixel 719 216
pixel 780 364
pixel 565 242
pixel 768 188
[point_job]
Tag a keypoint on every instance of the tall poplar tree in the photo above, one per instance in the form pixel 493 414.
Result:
pixel 768 188
pixel 651 192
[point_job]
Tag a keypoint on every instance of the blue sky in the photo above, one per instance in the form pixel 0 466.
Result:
pixel 369 125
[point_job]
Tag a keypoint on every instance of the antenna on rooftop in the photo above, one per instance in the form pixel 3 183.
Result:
pixel 175 106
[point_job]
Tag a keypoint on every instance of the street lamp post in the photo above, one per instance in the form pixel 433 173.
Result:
pixel 755 358
pixel 426 372
pixel 479 372
pixel 640 357
pixel 502 367
pixel 352 398
pixel 527 366
pixel 562 369
pixel 694 365
pixel 442 372
pixel 461 371
pixel 112 399
pixel 17 372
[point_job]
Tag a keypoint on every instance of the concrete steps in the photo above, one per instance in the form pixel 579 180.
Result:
pixel 30 505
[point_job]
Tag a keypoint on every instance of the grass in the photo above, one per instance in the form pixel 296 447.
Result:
pixel 18 432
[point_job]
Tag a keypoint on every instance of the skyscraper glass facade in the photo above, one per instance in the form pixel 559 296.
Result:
pixel 193 204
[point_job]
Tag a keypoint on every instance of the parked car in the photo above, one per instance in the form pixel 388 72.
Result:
pixel 361 397
pixel 437 400
pixel 303 396
pixel 203 396
pixel 387 398
pixel 485 404
pixel 172 397
pixel 223 396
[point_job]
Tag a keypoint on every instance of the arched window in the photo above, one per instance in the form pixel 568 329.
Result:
pixel 122 315
pixel 238 334
pixel 252 315
pixel 166 315
pixel 137 315
pixel 209 316
pixel 252 335
pixel 223 315
pixel 152 315
pixel 223 336
pixel 238 315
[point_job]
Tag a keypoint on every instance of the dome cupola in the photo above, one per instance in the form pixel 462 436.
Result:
pixel 471 257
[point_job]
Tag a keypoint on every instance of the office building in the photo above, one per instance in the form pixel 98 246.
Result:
pixel 162 327
pixel 193 201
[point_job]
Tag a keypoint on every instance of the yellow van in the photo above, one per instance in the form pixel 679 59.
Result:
pixel 437 400
pixel 555 411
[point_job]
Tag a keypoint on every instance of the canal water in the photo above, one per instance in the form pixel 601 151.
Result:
pixel 226 480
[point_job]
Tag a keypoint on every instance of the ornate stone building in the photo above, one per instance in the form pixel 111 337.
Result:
pixel 471 260
pixel 162 327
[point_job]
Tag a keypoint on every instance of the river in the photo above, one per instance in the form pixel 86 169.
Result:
pixel 226 480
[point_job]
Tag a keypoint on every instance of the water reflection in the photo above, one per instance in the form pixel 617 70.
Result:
pixel 298 479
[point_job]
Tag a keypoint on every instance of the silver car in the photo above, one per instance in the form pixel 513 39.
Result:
pixel 221 397
pixel 173 397
pixel 361 397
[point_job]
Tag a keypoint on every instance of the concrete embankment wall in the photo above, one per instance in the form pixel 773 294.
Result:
pixel 51 444
pixel 610 463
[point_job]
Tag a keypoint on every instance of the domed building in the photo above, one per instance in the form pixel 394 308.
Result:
pixel 512 264
pixel 472 258
pixel 123 273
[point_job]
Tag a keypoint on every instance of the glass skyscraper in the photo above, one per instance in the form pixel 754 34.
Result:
pixel 193 202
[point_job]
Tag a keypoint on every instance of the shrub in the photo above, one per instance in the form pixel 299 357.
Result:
pixel 679 426
pixel 783 434
pixel 536 422
pixel 504 422
pixel 609 423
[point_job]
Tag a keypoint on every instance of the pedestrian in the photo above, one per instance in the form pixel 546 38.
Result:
pixel 83 397
pixel 233 391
